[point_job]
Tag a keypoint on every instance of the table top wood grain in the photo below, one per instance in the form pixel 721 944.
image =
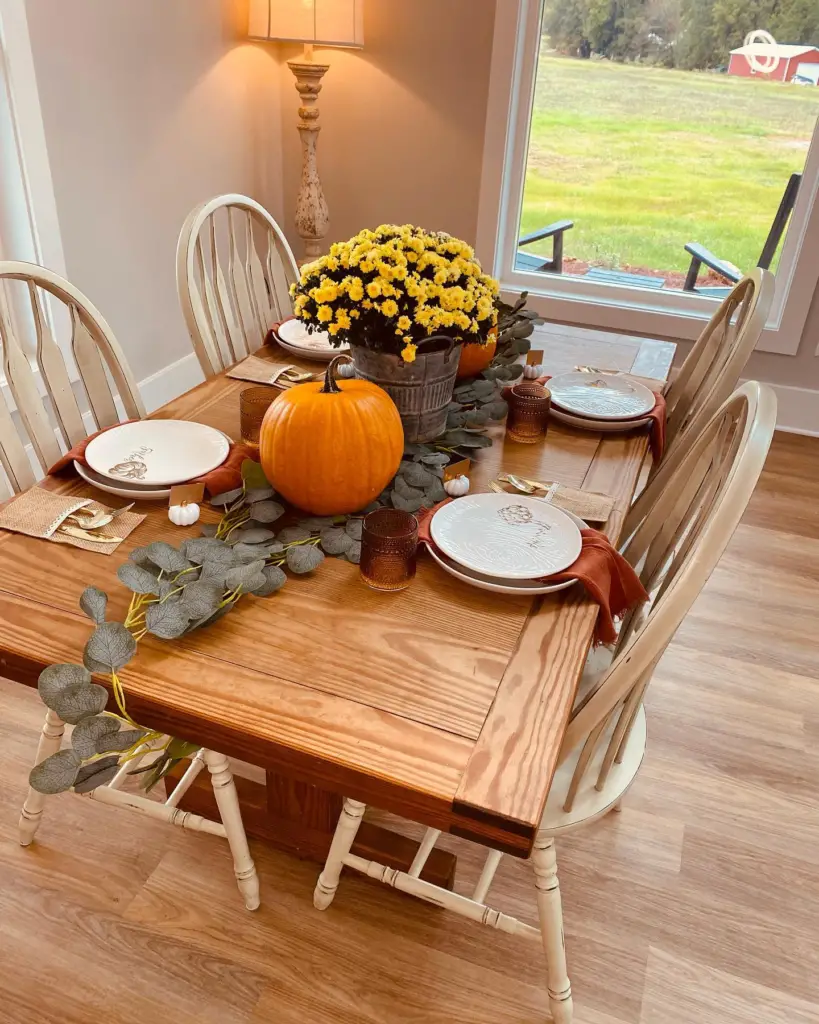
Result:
pixel 442 703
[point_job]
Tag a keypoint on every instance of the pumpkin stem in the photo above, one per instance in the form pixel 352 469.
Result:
pixel 330 386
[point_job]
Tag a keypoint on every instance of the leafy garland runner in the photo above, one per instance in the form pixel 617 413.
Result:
pixel 176 591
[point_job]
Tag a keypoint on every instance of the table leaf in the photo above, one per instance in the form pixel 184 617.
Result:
pixel 109 648
pixel 259 494
pixel 498 410
pixel 201 599
pixel 253 475
pixel 293 533
pixel 407 504
pixel 403 488
pixel 418 476
pixel 56 679
pixel 138 579
pixel 252 535
pixel 92 776
pixel 209 529
pixel 121 741
pixel 56 774
pixel 167 557
pixel 91 732
pixel 335 541
pixel 274 578
pixel 354 527
pixel 243 573
pixel 197 549
pixel 227 497
pixel 304 558
pixel 79 702
pixel 266 511
pixel 434 493
pixel 353 553
pixel 435 459
pixel 250 552
pixel 93 602
pixel 168 620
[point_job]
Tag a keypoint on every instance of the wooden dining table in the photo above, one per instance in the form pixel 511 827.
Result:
pixel 442 703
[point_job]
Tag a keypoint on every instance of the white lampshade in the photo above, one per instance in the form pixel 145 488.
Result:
pixel 321 22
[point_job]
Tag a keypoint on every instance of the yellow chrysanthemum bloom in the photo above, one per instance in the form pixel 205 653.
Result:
pixel 334 328
pixel 325 314
pixel 404 323
pixel 355 288
pixel 408 352
pixel 389 308
pixel 374 289
pixel 343 319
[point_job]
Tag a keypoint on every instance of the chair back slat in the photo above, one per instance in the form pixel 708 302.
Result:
pixel 40 384
pixel 54 374
pixel 231 293
pixel 676 533
pixel 715 363
pixel 23 387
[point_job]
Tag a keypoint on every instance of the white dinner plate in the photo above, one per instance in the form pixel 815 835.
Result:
pixel 157 453
pixel 601 396
pixel 132 492
pixel 293 336
pixel 506 536
pixel 519 588
pixel 598 426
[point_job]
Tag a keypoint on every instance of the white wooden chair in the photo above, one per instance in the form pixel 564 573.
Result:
pixel 688 514
pixel 234 269
pixel 103 375
pixel 714 365
pixel 102 370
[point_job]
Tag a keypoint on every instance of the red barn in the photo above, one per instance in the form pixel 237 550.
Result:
pixel 790 57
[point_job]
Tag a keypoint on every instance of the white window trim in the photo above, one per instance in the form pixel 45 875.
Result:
pixel 567 299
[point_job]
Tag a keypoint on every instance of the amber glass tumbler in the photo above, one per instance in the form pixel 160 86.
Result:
pixel 528 419
pixel 253 404
pixel 389 539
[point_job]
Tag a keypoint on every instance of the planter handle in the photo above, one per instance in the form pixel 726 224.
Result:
pixel 439 337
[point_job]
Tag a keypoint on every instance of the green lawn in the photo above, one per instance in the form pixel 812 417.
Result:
pixel 644 160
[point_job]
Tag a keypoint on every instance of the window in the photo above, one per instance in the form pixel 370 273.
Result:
pixel 564 146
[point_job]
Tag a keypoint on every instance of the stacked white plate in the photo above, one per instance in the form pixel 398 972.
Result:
pixel 294 337
pixel 505 543
pixel 142 461
pixel 604 402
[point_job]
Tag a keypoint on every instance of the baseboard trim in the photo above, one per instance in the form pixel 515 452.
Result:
pixel 798 410
pixel 171 382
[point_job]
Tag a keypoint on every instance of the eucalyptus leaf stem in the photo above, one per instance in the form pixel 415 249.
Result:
pixel 239 522
pixel 119 697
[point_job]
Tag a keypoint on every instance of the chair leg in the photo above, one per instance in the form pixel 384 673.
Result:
pixel 227 800
pixel 348 822
pixel 51 739
pixel 618 806
pixel 550 913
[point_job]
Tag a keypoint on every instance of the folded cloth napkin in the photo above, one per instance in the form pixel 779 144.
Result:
pixel 609 579
pixel 271 334
pixel 223 478
pixel 658 416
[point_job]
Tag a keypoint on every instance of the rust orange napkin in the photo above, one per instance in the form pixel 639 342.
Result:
pixel 608 578
pixel 223 478
pixel 271 334
pixel 658 416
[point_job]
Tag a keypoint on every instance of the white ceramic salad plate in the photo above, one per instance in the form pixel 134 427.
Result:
pixel 518 588
pixel 293 336
pixel 157 453
pixel 506 536
pixel 601 396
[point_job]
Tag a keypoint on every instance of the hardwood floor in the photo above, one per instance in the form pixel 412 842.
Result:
pixel 696 905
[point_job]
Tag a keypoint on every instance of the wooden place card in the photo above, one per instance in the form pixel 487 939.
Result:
pixel 461 468
pixel 186 494
pixel 534 357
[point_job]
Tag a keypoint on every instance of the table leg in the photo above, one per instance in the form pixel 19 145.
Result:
pixel 301 819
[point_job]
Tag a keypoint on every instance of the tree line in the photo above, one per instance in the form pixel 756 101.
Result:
pixel 676 33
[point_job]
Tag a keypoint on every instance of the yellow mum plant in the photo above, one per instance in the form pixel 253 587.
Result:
pixel 391 288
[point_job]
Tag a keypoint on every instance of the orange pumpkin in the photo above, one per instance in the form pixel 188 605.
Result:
pixel 331 448
pixel 476 357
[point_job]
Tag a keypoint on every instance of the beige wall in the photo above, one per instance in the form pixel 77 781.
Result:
pixel 403 119
pixel 149 107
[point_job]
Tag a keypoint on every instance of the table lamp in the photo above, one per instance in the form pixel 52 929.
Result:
pixel 314 23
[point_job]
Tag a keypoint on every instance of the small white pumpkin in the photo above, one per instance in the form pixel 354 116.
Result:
pixel 184 515
pixel 346 371
pixel 533 372
pixel 457 487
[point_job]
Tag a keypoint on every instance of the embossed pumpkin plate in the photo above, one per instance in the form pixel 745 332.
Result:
pixel 601 396
pixel 506 536
pixel 294 337
pixel 157 452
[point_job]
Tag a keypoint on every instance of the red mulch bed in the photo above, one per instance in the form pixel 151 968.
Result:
pixel 673 278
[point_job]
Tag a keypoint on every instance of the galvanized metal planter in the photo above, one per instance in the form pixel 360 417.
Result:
pixel 421 390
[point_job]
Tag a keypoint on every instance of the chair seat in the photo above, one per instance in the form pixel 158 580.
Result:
pixel 590 803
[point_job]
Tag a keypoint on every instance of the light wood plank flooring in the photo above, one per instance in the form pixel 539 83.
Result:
pixel 699 904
